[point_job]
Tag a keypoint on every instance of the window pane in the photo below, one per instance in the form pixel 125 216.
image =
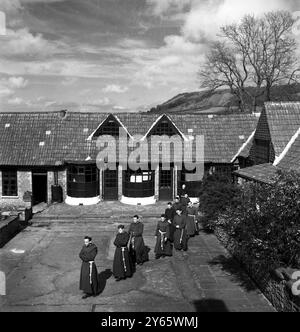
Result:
pixel 9 183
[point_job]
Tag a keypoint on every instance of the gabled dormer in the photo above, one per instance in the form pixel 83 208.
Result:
pixel 262 150
pixel 110 126
pixel 164 126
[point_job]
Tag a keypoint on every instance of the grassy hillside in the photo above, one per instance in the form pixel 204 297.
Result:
pixel 221 101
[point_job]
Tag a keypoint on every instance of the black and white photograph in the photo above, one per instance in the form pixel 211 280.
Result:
pixel 149 159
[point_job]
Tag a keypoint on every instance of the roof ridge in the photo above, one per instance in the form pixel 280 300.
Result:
pixel 281 103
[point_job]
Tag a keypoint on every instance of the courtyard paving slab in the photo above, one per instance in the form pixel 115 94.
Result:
pixel 42 268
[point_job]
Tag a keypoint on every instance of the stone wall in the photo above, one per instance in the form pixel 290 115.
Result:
pixel 24 184
pixel 278 293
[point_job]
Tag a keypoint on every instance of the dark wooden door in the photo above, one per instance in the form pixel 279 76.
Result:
pixel 110 188
pixel 39 187
pixel 165 185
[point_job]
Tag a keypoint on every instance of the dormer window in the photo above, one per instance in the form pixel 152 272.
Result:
pixel 164 127
pixel 109 127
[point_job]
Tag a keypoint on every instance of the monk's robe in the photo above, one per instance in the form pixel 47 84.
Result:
pixel 122 265
pixel 163 245
pixel 182 192
pixel 138 251
pixel 191 221
pixel 177 206
pixel 89 281
pixel 184 203
pixel 170 214
pixel 180 236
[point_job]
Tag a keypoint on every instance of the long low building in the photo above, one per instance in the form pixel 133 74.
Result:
pixel 40 151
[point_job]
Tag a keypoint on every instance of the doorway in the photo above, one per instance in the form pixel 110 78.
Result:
pixel 39 187
pixel 110 185
pixel 166 184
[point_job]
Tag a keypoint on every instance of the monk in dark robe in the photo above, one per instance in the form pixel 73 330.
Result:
pixel 138 251
pixel 191 220
pixel 184 203
pixel 182 191
pixel 177 205
pixel 163 245
pixel 122 265
pixel 170 214
pixel 89 281
pixel 180 236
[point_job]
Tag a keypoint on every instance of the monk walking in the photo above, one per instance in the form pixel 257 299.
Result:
pixel 138 250
pixel 170 214
pixel 122 265
pixel 180 236
pixel 191 220
pixel 163 245
pixel 89 282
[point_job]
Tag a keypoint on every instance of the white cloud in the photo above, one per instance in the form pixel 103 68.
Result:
pixel 206 17
pixel 119 108
pixel 17 82
pixel 98 102
pixel 114 88
pixel 162 7
pixel 5 92
pixel 16 5
pixel 10 5
pixel 23 43
pixel 16 101
pixel 8 86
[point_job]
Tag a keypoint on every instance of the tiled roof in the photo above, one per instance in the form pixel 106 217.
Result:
pixel 291 160
pixel 284 121
pixel 264 173
pixel 36 139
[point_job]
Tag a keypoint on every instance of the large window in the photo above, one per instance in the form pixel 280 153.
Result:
pixel 9 183
pixel 83 181
pixel 138 184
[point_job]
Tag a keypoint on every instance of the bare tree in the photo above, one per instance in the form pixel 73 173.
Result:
pixel 223 68
pixel 254 56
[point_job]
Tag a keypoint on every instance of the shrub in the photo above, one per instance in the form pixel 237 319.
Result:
pixel 266 225
pixel 217 193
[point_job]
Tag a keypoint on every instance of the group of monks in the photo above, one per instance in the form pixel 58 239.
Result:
pixel 175 227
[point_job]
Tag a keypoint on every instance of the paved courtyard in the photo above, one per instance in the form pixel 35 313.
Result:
pixel 42 269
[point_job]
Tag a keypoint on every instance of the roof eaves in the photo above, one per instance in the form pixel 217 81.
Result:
pixel 243 146
pixel 287 148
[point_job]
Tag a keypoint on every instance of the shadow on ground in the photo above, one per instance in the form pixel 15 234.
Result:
pixel 232 266
pixel 103 277
pixel 210 305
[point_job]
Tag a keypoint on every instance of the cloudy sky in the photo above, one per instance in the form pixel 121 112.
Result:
pixel 105 55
